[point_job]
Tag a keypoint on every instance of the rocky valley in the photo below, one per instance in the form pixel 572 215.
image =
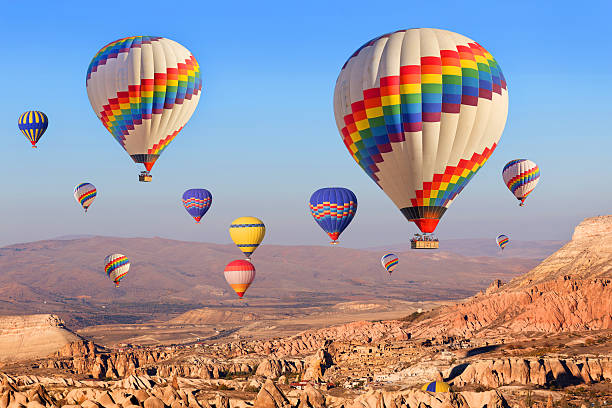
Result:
pixel 543 339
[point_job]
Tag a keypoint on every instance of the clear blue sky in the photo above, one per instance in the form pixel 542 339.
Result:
pixel 263 136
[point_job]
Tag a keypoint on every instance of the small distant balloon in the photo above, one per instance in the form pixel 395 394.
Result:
pixel 239 274
pixel 116 267
pixel 247 233
pixel 502 241
pixel 521 176
pixel 333 208
pixel 33 125
pixel 85 193
pixel 389 262
pixel 197 201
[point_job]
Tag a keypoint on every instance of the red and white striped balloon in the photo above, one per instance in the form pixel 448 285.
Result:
pixel 239 274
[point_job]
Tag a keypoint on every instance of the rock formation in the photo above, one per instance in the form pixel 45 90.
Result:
pixel 33 336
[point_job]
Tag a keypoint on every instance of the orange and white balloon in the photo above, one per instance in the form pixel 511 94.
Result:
pixel 239 274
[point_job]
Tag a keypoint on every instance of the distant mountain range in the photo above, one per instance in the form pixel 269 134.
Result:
pixel 168 277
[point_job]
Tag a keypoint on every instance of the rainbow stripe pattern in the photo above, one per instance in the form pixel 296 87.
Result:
pixel 116 267
pixel 502 241
pixel 168 84
pixel 418 95
pixel 85 193
pixel 333 208
pixel 197 201
pixel 389 262
pixel 521 177
pixel 421 111
pixel 33 125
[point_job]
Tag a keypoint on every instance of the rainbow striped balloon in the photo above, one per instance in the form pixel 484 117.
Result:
pixel 521 177
pixel 116 267
pixel 33 125
pixel 502 241
pixel 389 262
pixel 144 89
pixel 421 111
pixel 85 193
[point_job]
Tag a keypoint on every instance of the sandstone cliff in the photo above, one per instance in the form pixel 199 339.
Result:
pixel 31 337
pixel 587 255
pixel 571 290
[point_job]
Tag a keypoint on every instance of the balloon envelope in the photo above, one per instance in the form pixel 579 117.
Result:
pixel 197 201
pixel 389 262
pixel 333 208
pixel 116 267
pixel 247 233
pixel 521 176
pixel 144 90
pixel 436 386
pixel 502 241
pixel 33 125
pixel 239 274
pixel 421 111
pixel 85 193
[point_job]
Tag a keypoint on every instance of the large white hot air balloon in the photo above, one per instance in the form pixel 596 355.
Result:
pixel 421 111
pixel 144 90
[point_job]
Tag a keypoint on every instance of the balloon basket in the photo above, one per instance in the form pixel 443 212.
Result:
pixel 424 242
pixel 334 243
pixel 145 177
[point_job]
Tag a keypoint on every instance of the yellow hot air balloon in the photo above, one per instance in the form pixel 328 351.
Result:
pixel 247 233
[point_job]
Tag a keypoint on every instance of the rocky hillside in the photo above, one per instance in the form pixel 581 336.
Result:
pixel 571 290
pixel 587 255
pixel 34 336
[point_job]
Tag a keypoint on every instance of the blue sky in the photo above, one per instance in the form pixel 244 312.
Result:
pixel 263 137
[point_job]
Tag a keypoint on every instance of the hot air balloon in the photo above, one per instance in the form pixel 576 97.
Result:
pixel 85 193
pixel 521 177
pixel 144 90
pixel 247 233
pixel 197 201
pixel 421 111
pixel 502 241
pixel 239 274
pixel 33 125
pixel 333 208
pixel 116 267
pixel 436 386
pixel 389 262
